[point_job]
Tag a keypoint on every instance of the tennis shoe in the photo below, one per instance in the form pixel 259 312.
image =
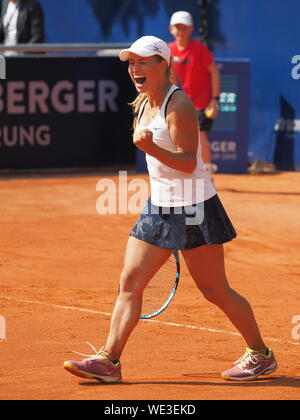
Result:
pixel 97 366
pixel 251 365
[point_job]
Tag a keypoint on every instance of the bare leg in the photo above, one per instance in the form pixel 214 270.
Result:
pixel 206 265
pixel 142 261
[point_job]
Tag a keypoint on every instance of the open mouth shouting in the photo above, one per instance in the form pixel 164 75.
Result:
pixel 139 81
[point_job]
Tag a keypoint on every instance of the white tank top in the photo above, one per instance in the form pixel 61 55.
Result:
pixel 170 187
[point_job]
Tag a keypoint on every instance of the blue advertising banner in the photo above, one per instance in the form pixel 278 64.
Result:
pixel 230 134
pixel 268 33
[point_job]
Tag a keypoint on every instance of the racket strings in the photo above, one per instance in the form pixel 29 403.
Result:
pixel 160 287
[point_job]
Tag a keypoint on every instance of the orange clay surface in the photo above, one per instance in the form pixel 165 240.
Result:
pixel 59 267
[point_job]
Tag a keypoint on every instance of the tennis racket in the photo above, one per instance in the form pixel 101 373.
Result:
pixel 161 288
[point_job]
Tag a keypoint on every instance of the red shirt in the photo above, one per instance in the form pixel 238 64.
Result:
pixel 190 66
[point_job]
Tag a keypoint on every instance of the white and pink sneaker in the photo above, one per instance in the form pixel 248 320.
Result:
pixel 251 365
pixel 98 367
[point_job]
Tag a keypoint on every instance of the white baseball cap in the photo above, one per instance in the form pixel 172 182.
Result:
pixel 147 46
pixel 185 18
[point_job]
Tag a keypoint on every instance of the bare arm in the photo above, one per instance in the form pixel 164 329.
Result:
pixel 216 88
pixel 215 79
pixel 182 122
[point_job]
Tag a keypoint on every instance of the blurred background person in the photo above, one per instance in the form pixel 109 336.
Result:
pixel 197 73
pixel 21 22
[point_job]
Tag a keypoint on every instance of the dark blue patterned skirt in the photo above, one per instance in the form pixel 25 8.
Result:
pixel 184 228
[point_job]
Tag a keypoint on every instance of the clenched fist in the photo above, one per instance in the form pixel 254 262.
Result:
pixel 143 139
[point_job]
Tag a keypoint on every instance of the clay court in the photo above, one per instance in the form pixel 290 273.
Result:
pixel 59 266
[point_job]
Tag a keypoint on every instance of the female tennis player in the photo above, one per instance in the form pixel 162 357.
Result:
pixel 166 129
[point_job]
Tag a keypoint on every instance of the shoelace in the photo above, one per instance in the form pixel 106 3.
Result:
pixel 245 360
pixel 91 356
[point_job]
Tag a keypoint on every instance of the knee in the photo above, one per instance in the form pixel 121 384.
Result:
pixel 216 296
pixel 130 283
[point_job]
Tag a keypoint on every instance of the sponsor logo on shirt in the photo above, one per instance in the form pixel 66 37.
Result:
pixel 177 60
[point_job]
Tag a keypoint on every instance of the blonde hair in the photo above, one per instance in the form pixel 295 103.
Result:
pixel 136 106
pixel 139 100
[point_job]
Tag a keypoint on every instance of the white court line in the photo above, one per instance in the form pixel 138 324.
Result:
pixel 172 324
